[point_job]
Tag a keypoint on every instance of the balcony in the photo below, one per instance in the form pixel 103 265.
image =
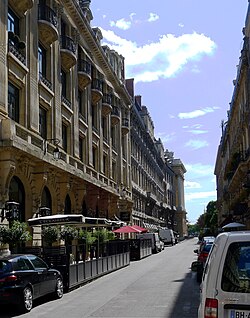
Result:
pixel 125 126
pixel 96 90
pixel 115 115
pixel 47 25
pixel 84 73
pixel 106 104
pixel 68 52
pixel 16 47
pixel 22 6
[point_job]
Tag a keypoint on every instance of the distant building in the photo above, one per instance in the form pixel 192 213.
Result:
pixel 157 178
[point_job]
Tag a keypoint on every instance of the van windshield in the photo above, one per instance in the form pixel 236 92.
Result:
pixel 236 271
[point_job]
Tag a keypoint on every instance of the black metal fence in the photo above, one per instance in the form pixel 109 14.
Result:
pixel 140 248
pixel 79 263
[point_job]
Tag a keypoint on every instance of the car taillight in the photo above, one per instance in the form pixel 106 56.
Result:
pixel 202 257
pixel 8 279
pixel 211 308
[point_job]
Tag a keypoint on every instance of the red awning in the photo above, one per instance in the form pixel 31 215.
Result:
pixel 127 229
pixel 131 229
pixel 142 229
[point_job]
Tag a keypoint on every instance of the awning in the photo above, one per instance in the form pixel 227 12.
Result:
pixel 69 219
pixel 57 219
pixel 142 229
pixel 127 229
pixel 96 222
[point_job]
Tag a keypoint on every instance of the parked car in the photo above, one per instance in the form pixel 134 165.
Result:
pixel 202 252
pixel 225 286
pixel 167 236
pixel 24 278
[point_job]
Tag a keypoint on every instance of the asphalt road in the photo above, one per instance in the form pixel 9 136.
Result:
pixel 159 286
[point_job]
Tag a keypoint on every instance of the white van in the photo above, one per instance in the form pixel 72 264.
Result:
pixel 167 236
pixel 225 286
pixel 156 244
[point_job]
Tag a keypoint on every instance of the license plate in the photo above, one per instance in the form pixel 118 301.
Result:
pixel 239 314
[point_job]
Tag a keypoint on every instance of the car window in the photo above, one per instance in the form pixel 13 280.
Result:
pixel 5 266
pixel 37 262
pixel 207 248
pixel 236 271
pixel 21 264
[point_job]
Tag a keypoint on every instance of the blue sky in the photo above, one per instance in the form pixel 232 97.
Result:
pixel 183 55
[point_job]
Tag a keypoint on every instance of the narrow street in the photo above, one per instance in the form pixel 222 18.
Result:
pixel 159 286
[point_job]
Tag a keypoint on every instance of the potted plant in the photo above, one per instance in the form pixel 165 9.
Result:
pixel 50 234
pixel 68 234
pixel 102 237
pixel 14 235
pixel 87 239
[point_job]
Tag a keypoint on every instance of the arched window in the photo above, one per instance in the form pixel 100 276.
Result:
pixel 17 194
pixel 84 208
pixel 67 205
pixel 46 200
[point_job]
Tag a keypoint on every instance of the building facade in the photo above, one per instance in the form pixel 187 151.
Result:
pixel 155 174
pixel 61 93
pixel 232 167
pixel 65 119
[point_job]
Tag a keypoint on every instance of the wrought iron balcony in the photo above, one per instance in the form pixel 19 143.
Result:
pixel 125 125
pixel 14 48
pixel 47 24
pixel 68 52
pixel 96 90
pixel 84 73
pixel 115 115
pixel 106 104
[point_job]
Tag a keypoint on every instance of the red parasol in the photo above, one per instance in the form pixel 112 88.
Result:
pixel 142 229
pixel 127 229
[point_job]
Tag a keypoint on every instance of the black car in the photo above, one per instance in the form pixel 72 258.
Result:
pixel 24 278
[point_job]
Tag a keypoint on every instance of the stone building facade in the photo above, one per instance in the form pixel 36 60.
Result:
pixel 157 178
pixel 65 109
pixel 232 167
pixel 61 91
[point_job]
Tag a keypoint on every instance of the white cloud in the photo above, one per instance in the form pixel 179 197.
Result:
pixel 165 138
pixel 200 195
pixel 121 24
pixel 192 185
pixel 198 132
pixel 132 15
pixel 195 129
pixel 162 59
pixel 153 17
pixel 198 170
pixel 197 113
pixel 196 144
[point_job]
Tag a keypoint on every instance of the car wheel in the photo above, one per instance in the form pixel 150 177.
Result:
pixel 59 288
pixel 26 303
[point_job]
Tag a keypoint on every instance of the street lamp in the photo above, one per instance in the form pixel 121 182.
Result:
pixel 56 152
pixel 10 211
pixel 43 211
